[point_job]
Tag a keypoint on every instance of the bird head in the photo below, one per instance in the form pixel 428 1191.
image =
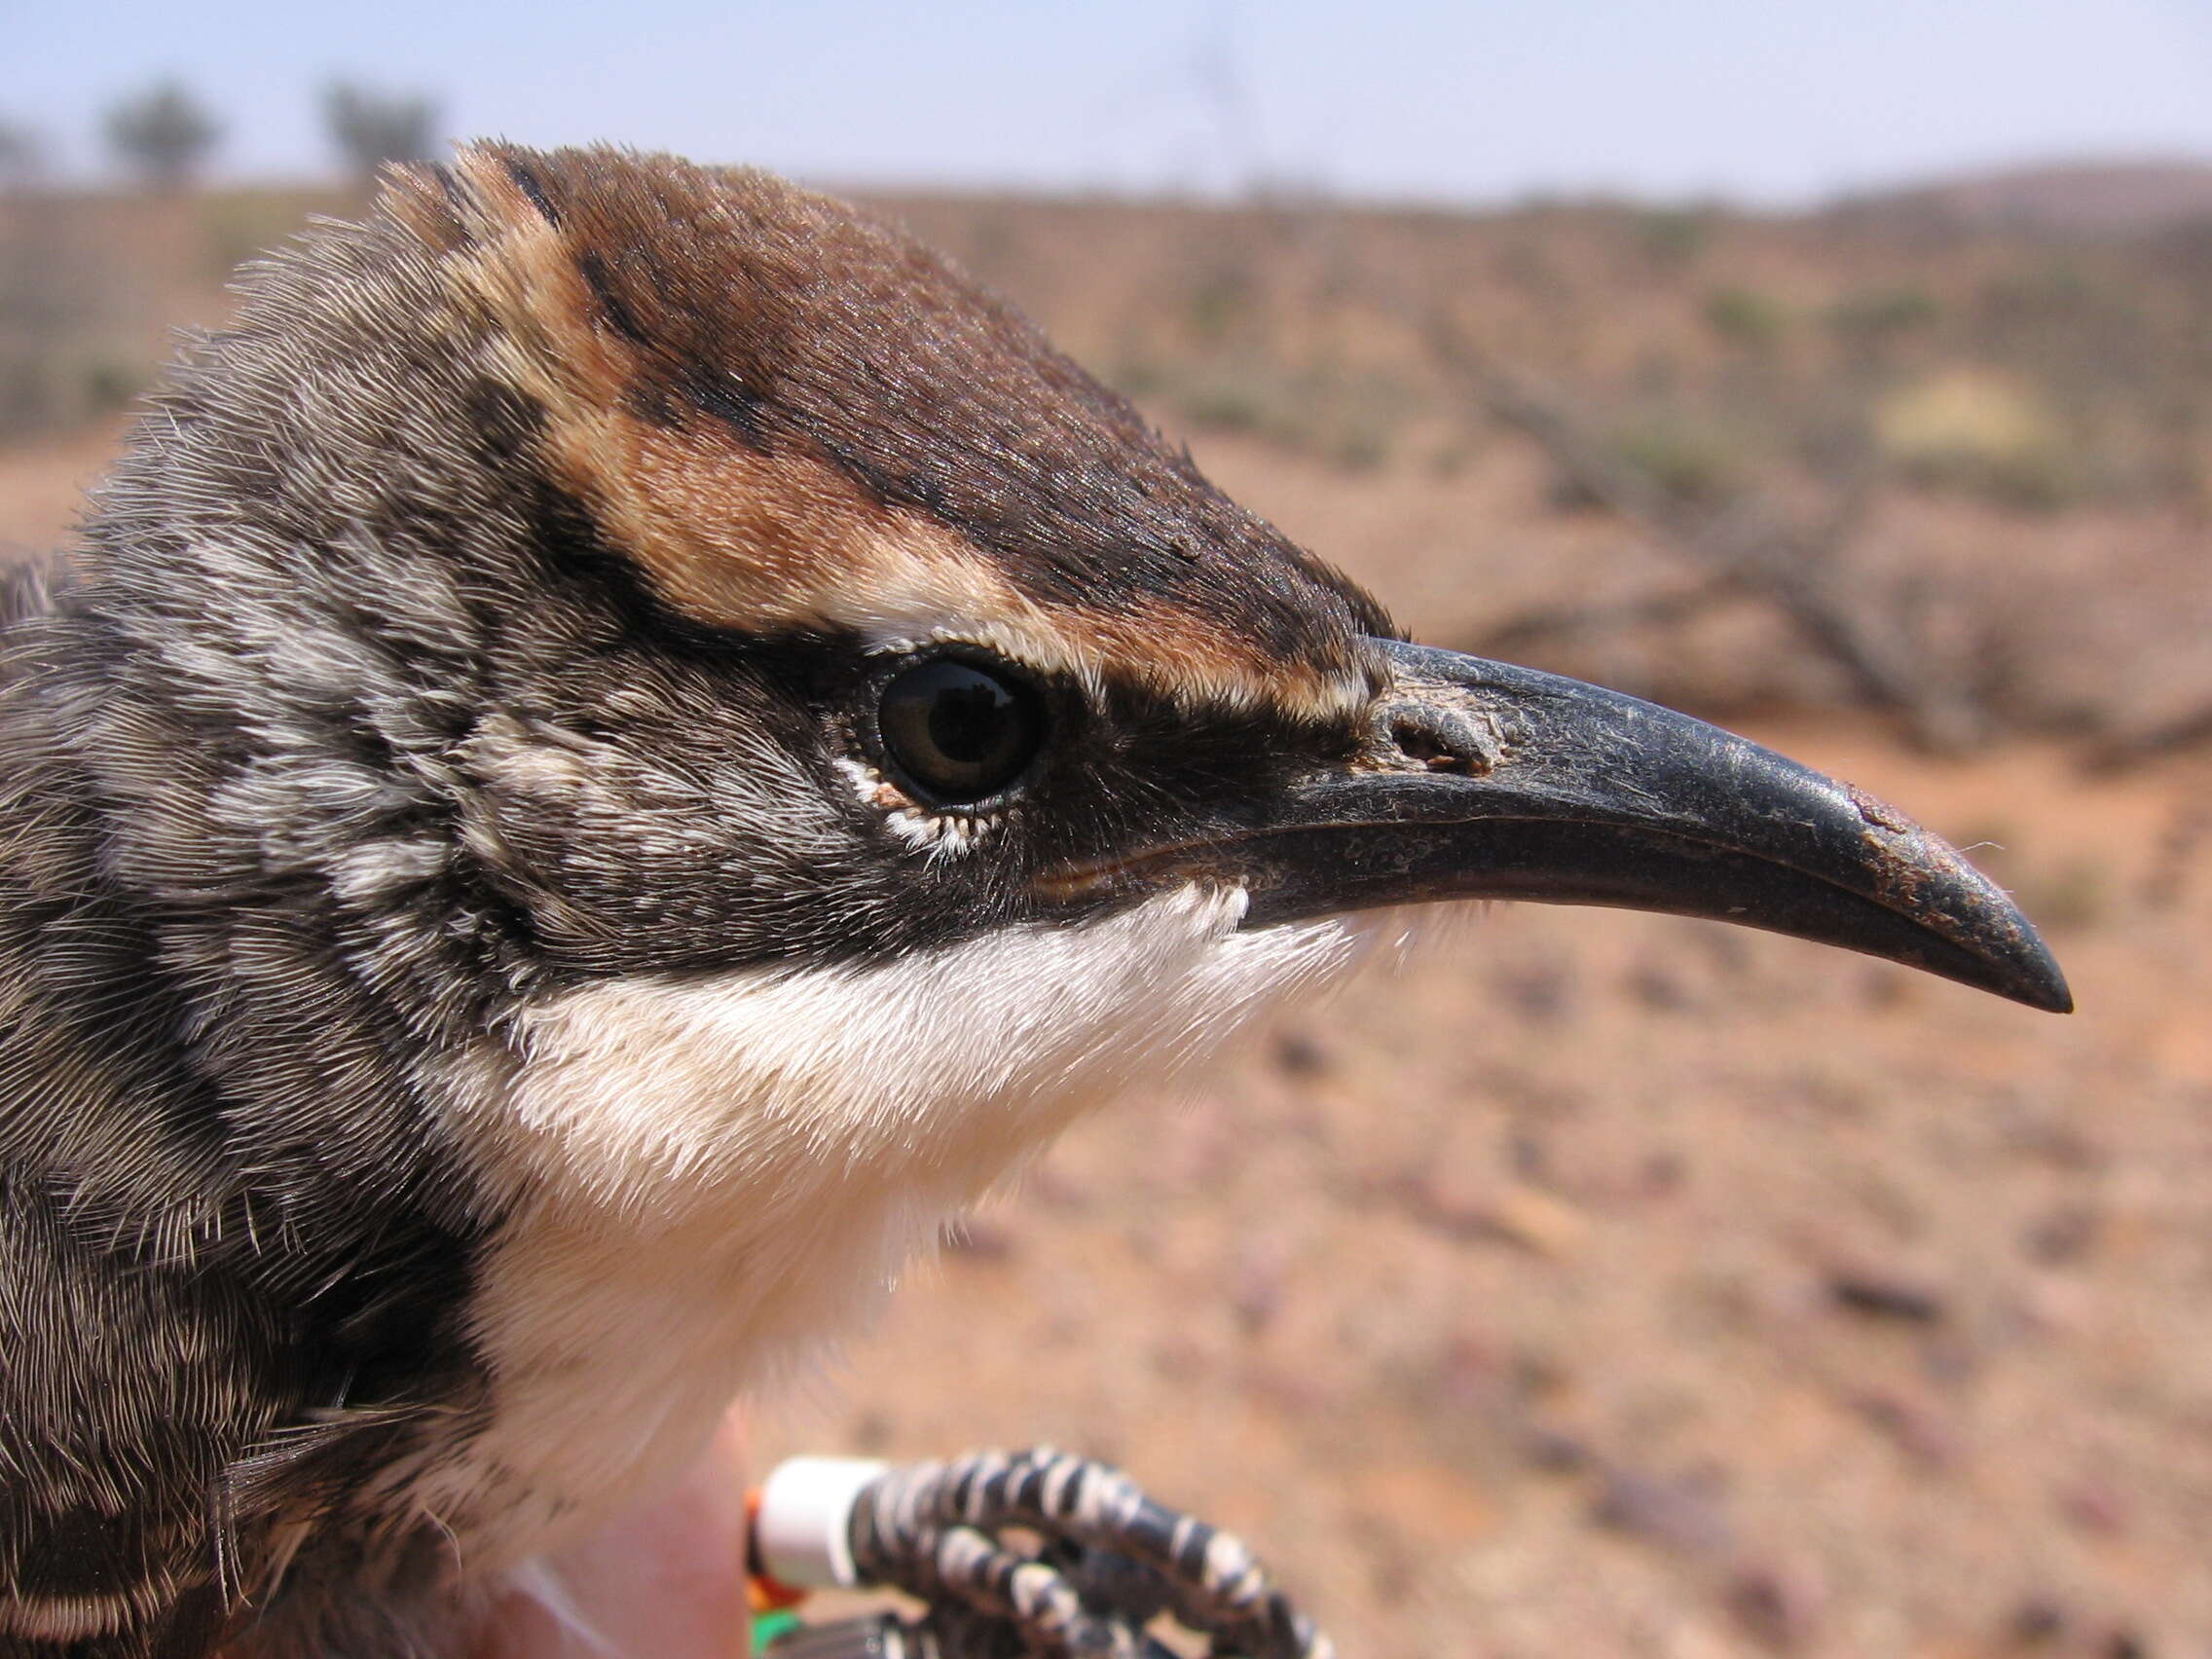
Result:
pixel 659 666
pixel 599 571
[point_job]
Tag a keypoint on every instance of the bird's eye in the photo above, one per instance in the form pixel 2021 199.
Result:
pixel 958 731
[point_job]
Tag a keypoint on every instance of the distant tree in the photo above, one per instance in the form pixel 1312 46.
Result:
pixel 161 134
pixel 20 155
pixel 370 128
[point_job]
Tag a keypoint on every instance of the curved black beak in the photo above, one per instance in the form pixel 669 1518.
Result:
pixel 1484 780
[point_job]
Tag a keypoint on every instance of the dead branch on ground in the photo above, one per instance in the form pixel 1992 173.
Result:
pixel 1753 545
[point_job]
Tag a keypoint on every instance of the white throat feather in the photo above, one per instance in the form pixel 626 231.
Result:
pixel 709 1175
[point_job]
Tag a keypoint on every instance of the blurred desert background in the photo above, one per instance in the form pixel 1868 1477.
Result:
pixel 1602 1284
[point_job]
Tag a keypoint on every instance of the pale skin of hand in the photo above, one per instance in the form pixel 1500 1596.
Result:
pixel 664 1581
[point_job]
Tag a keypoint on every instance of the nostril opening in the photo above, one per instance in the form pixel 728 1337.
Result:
pixel 1416 742
pixel 1437 741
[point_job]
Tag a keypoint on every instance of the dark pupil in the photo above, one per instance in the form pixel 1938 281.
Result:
pixel 959 731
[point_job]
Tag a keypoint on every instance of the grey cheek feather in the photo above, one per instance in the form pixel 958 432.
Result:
pixel 559 812
pixel 231 935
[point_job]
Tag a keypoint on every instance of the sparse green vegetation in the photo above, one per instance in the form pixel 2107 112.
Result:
pixel 41 389
pixel 1692 460
pixel 1674 237
pixel 1351 420
pixel 1745 316
pixel 1878 316
pixel 1220 302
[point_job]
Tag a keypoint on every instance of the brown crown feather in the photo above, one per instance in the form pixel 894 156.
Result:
pixel 790 416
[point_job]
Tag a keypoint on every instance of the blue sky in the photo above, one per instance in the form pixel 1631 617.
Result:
pixel 1763 100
